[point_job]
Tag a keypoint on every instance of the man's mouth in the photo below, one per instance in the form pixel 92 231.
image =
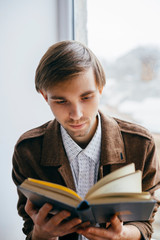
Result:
pixel 77 126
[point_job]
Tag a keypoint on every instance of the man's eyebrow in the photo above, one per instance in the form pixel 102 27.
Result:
pixel 57 97
pixel 82 95
pixel 88 92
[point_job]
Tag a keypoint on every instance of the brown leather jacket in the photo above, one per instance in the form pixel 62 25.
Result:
pixel 39 153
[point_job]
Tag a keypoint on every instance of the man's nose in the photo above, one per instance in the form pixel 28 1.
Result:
pixel 75 112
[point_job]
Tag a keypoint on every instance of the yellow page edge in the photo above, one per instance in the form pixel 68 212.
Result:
pixel 54 185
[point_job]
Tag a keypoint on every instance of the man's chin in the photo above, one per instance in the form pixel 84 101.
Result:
pixel 78 134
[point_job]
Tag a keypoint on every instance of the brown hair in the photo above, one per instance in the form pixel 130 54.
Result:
pixel 64 60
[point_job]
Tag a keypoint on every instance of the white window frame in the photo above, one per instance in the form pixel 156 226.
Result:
pixel 65 15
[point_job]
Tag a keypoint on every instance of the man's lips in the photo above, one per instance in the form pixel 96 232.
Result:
pixel 77 126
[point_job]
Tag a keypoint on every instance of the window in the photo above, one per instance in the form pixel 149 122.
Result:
pixel 124 35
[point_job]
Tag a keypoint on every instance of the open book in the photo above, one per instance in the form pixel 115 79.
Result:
pixel 119 193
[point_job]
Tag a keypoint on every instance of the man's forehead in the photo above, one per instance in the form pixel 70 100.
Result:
pixel 84 82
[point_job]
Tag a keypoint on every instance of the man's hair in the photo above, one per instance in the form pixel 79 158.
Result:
pixel 65 60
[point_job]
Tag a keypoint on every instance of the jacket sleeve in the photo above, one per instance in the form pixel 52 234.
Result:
pixel 150 182
pixel 19 174
pixel 145 228
pixel 18 177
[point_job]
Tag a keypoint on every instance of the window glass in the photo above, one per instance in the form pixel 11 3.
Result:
pixel 80 21
pixel 125 36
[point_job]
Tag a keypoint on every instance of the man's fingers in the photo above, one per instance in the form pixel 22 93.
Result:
pixel 30 208
pixel 116 224
pixel 94 233
pixel 37 215
pixel 84 225
pixel 72 225
pixel 112 230
pixel 51 225
pixel 43 212
pixel 108 224
pixel 59 217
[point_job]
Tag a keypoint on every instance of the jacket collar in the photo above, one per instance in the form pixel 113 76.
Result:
pixel 52 150
pixel 112 147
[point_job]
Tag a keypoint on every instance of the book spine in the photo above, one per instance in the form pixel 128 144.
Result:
pixel 85 213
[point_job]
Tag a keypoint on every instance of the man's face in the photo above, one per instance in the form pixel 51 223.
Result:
pixel 74 104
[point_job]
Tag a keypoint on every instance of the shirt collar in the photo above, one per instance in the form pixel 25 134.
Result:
pixel 92 150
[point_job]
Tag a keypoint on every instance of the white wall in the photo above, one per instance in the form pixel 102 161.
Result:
pixel 27 29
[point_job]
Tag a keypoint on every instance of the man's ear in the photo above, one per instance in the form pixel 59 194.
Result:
pixel 100 90
pixel 44 94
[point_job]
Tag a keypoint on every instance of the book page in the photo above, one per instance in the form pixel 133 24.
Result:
pixel 119 197
pixel 128 183
pixel 54 187
pixel 40 195
pixel 130 168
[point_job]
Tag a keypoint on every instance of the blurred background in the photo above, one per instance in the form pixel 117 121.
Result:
pixel 125 37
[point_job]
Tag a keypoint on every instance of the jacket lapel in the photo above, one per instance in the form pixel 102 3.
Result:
pixel 112 146
pixel 53 153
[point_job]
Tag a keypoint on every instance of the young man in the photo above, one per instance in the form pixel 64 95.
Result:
pixel 80 146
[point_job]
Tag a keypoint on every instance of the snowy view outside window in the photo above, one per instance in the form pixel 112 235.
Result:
pixel 124 35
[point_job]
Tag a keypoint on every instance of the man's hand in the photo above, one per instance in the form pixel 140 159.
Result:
pixel 113 231
pixel 46 227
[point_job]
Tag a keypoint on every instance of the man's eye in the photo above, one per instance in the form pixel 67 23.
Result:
pixel 87 98
pixel 61 102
